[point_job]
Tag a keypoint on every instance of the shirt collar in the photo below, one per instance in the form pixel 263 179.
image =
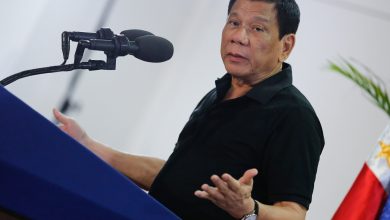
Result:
pixel 263 91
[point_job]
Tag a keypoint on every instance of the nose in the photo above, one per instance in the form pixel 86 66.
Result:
pixel 240 36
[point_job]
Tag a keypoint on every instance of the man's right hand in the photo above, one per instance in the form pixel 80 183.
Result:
pixel 71 127
pixel 142 170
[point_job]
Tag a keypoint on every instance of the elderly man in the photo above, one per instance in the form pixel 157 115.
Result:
pixel 251 148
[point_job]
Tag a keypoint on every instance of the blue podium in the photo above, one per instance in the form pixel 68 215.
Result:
pixel 45 174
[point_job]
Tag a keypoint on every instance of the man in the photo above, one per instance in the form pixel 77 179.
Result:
pixel 252 145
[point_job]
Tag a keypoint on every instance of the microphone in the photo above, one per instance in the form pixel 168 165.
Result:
pixel 103 33
pixel 133 34
pixel 148 48
pixel 139 43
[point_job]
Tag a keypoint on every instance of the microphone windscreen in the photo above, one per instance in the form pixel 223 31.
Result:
pixel 153 49
pixel 135 33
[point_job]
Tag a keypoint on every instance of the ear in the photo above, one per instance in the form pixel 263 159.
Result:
pixel 288 42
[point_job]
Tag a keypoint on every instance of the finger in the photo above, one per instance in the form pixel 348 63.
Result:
pixel 204 195
pixel 233 184
pixel 213 193
pixel 59 116
pixel 201 194
pixel 247 178
pixel 220 184
pixel 62 127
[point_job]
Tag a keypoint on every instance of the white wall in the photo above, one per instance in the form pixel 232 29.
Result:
pixel 141 107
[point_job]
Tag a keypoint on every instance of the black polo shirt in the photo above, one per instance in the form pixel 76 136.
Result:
pixel 272 128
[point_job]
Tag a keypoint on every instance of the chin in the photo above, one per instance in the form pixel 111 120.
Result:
pixel 236 72
pixel 242 76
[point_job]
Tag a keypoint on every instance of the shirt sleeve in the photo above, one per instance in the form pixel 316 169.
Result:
pixel 293 152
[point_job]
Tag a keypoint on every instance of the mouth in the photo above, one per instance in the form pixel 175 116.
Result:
pixel 236 57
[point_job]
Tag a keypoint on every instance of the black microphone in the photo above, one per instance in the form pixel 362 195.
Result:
pixel 148 48
pixel 105 33
pixel 143 45
pixel 102 33
pixel 133 34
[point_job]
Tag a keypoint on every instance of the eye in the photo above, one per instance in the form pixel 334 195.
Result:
pixel 258 28
pixel 234 23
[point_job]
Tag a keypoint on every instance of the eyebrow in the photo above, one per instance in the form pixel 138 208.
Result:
pixel 257 18
pixel 260 18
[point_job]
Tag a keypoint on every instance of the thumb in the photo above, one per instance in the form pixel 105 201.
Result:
pixel 247 178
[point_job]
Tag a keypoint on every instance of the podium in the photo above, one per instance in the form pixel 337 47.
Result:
pixel 45 174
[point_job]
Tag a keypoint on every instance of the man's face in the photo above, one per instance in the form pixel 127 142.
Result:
pixel 250 46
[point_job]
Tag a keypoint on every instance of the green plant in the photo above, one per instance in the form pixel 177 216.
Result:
pixel 370 83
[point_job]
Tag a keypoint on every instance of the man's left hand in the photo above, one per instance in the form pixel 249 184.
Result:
pixel 233 196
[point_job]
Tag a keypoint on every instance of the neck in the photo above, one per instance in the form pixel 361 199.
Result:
pixel 241 86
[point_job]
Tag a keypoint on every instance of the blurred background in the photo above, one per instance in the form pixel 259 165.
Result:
pixel 141 107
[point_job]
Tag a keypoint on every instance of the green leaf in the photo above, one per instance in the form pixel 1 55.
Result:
pixel 371 84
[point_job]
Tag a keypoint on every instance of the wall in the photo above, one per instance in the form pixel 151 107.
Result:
pixel 141 107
